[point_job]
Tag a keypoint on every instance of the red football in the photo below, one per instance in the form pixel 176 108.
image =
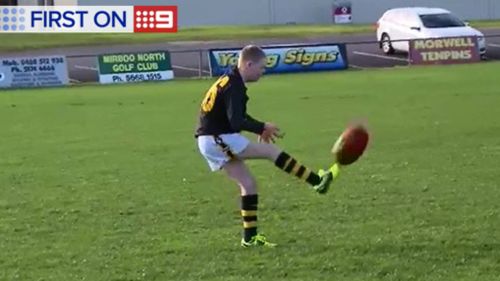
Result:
pixel 351 145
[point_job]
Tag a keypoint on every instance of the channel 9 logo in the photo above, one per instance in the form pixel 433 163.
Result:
pixel 155 19
pixel 94 19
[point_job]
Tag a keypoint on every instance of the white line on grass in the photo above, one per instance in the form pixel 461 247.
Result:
pixel 379 56
pixel 356 66
pixel 190 68
pixel 85 67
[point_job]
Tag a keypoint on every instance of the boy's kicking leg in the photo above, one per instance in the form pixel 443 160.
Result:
pixel 319 181
pixel 237 170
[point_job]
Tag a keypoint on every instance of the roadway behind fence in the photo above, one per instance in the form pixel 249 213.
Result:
pixel 194 63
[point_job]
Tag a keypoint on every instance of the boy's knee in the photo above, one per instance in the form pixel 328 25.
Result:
pixel 248 182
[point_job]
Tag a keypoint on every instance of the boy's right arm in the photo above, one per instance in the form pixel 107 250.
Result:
pixel 235 112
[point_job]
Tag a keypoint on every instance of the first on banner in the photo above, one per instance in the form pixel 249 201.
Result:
pixel 88 19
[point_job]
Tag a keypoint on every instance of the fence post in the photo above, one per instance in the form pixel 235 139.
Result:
pixel 200 60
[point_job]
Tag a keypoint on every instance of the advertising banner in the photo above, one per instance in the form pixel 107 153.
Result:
pixel 444 50
pixel 286 58
pixel 135 67
pixel 25 72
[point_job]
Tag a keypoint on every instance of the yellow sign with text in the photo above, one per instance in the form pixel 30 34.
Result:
pixel 444 50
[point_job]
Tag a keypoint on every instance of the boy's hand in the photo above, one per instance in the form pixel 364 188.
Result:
pixel 270 133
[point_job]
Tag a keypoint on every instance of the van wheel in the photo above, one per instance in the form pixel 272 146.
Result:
pixel 386 44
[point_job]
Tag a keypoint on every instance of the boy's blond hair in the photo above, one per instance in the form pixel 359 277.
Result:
pixel 251 53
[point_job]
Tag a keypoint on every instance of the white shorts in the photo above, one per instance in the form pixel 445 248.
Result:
pixel 214 152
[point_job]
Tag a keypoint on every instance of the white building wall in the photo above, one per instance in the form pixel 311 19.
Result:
pixel 41 2
pixel 249 12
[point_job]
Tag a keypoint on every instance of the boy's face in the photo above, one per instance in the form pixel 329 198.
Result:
pixel 255 69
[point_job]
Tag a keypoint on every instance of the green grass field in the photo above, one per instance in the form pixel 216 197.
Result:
pixel 105 182
pixel 16 42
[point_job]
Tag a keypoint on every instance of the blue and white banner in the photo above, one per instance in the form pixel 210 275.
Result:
pixel 25 72
pixel 286 58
